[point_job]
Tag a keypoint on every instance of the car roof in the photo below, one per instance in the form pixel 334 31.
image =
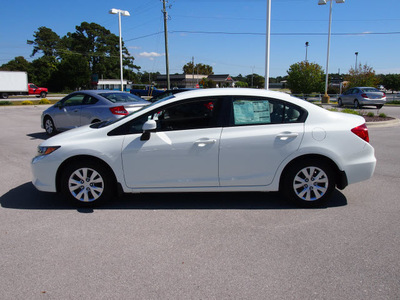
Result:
pixel 216 92
pixel 97 92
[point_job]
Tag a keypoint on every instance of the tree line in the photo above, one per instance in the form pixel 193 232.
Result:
pixel 306 78
pixel 74 60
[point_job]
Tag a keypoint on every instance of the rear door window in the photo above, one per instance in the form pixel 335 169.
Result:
pixel 255 111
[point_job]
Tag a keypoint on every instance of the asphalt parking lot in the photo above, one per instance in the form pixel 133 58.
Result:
pixel 196 246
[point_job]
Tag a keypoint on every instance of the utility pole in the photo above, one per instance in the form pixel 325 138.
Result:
pixel 166 44
pixel 268 43
pixel 193 70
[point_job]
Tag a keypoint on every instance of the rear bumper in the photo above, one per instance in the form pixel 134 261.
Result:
pixel 372 101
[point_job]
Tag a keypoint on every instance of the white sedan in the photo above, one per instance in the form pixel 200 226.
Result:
pixel 213 140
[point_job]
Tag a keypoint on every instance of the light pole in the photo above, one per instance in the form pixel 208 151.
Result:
pixel 307 44
pixel 267 46
pixel 325 98
pixel 125 13
pixel 355 68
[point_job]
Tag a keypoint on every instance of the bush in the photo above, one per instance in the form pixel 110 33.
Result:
pixel 5 103
pixel 370 114
pixel 27 102
pixel 44 101
pixel 382 115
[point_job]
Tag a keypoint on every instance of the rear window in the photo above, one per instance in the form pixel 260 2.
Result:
pixel 121 97
pixel 366 90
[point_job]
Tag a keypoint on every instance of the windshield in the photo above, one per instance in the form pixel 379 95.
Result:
pixel 121 97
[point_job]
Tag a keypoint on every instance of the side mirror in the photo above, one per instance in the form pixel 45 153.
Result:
pixel 148 127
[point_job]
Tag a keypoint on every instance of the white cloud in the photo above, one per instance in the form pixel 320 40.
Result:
pixel 150 55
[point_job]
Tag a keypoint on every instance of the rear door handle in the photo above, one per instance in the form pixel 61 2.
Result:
pixel 204 142
pixel 283 136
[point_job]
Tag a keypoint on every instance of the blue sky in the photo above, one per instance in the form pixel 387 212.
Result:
pixel 229 35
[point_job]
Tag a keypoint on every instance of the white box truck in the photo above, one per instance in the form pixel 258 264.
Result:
pixel 16 83
pixel 13 83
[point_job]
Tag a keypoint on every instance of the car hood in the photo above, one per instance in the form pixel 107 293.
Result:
pixel 76 133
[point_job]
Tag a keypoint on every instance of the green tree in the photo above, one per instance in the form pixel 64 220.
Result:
pixel 99 47
pixel 391 82
pixel 45 41
pixel 241 84
pixel 305 78
pixel 255 80
pixel 72 72
pixel 363 76
pixel 69 62
pixel 19 63
pixel 198 69
pixel 42 70
pixel 207 83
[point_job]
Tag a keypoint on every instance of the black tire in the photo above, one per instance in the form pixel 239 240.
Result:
pixel 43 94
pixel 4 96
pixel 339 103
pixel 308 183
pixel 87 183
pixel 49 126
pixel 379 106
pixel 356 104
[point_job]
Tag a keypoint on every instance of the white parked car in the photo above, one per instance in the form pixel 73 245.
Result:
pixel 213 140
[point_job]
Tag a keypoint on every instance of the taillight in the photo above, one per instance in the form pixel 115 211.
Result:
pixel 383 95
pixel 364 95
pixel 119 110
pixel 362 132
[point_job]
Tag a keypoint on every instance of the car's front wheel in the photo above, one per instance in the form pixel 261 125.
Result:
pixel 49 126
pixel 356 104
pixel 339 102
pixel 309 183
pixel 87 183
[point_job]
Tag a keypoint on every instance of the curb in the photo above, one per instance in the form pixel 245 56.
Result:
pixel 389 123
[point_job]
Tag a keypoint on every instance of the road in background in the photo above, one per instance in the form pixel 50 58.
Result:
pixel 196 246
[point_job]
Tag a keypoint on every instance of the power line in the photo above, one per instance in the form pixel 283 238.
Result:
pixel 263 34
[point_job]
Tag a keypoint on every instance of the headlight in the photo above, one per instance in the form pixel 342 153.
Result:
pixel 46 150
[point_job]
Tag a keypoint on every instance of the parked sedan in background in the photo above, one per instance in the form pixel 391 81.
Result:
pixel 362 96
pixel 211 140
pixel 87 107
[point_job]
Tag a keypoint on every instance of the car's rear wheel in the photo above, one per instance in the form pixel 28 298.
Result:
pixel 339 102
pixel 356 104
pixel 49 126
pixel 379 106
pixel 87 183
pixel 309 183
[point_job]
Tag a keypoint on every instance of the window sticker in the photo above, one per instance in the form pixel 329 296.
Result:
pixel 251 112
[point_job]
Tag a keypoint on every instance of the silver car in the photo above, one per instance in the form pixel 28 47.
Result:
pixel 87 107
pixel 360 96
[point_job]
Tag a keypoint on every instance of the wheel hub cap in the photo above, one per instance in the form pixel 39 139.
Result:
pixel 310 183
pixel 86 185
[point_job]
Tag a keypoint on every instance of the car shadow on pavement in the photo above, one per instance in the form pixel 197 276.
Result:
pixel 27 197
pixel 38 136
